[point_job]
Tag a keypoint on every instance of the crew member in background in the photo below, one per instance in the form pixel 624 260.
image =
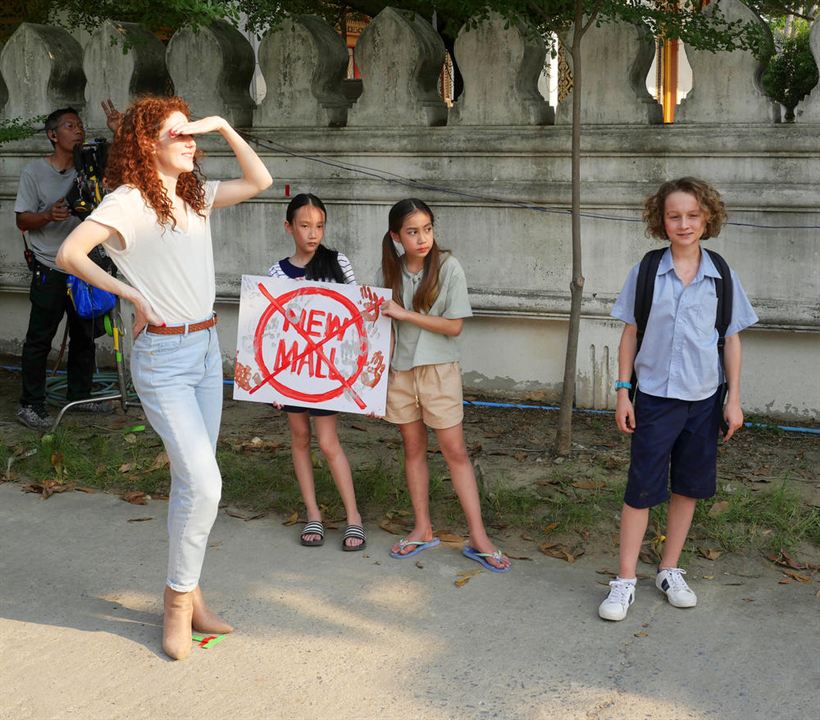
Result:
pixel 42 213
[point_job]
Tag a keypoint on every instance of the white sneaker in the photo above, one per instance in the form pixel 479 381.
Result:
pixel 621 596
pixel 670 582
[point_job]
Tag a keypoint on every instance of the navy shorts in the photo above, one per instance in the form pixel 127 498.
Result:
pixel 313 412
pixel 681 432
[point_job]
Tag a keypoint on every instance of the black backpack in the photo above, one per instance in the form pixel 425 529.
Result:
pixel 644 292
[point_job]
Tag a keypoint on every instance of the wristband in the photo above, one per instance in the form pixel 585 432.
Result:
pixel 623 385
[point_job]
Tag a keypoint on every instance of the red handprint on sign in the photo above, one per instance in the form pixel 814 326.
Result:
pixel 242 376
pixel 374 370
pixel 373 301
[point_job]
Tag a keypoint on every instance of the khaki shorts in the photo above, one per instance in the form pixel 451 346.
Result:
pixel 431 393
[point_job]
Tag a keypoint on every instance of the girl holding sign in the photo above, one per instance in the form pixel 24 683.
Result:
pixel 156 226
pixel 305 223
pixel 424 389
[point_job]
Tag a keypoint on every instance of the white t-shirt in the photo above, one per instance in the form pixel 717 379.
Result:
pixel 173 269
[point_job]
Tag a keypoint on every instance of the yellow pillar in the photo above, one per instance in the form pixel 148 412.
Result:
pixel 670 79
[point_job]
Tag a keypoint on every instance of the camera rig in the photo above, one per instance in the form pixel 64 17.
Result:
pixel 87 191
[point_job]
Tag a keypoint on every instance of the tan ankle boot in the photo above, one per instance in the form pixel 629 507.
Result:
pixel 204 620
pixel 176 626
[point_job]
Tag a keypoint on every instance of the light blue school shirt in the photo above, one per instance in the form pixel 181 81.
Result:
pixel 678 357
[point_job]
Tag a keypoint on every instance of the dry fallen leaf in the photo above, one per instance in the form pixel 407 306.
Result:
pixel 392 527
pixel 447 537
pixel 561 551
pixel 135 497
pixel 549 528
pixel 47 488
pixel 244 514
pixel 57 462
pixel 589 484
pixel 419 565
pixel 160 461
pixel 125 467
pixel 130 438
pixel 292 520
pixel 718 508
pixel 709 553
pixel 527 537
pixel 797 576
pixel 257 443
pixel 464 577
pixel 641 634
pixel 786 560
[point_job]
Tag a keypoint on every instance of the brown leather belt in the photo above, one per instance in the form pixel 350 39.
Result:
pixel 182 329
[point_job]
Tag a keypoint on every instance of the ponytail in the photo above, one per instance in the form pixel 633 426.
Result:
pixel 391 268
pixel 324 265
pixel 428 290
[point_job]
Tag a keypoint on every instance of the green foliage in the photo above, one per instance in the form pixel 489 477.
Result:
pixel 761 522
pixel 19 129
pixel 154 14
pixel 703 31
pixel 712 32
pixel 792 73
pixel 168 15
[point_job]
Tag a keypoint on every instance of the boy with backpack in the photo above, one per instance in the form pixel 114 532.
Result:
pixel 679 357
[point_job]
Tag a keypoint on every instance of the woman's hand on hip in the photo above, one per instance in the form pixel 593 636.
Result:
pixel 144 314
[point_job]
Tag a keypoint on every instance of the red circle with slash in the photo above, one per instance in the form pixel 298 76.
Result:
pixel 277 305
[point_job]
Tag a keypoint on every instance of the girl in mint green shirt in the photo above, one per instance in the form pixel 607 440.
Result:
pixel 428 309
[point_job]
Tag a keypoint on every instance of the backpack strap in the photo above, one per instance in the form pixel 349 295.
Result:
pixel 723 290
pixel 723 317
pixel 644 292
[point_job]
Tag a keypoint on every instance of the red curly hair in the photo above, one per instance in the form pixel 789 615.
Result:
pixel 131 158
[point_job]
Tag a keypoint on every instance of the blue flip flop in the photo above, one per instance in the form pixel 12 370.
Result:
pixel 421 546
pixel 473 554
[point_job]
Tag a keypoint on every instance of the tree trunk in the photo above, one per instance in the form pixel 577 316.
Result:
pixel 563 437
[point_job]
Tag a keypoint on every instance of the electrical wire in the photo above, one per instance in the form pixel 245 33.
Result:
pixel 395 179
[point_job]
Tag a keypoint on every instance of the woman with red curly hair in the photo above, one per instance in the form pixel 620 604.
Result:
pixel 156 226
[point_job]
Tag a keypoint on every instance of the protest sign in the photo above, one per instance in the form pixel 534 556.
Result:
pixel 312 344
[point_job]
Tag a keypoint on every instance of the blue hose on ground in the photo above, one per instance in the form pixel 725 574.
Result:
pixel 765 426
pixel 109 380
pixel 105 383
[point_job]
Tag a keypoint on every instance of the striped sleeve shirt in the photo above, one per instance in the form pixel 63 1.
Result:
pixel 286 269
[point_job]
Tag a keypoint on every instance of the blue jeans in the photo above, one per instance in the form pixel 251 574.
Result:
pixel 179 381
